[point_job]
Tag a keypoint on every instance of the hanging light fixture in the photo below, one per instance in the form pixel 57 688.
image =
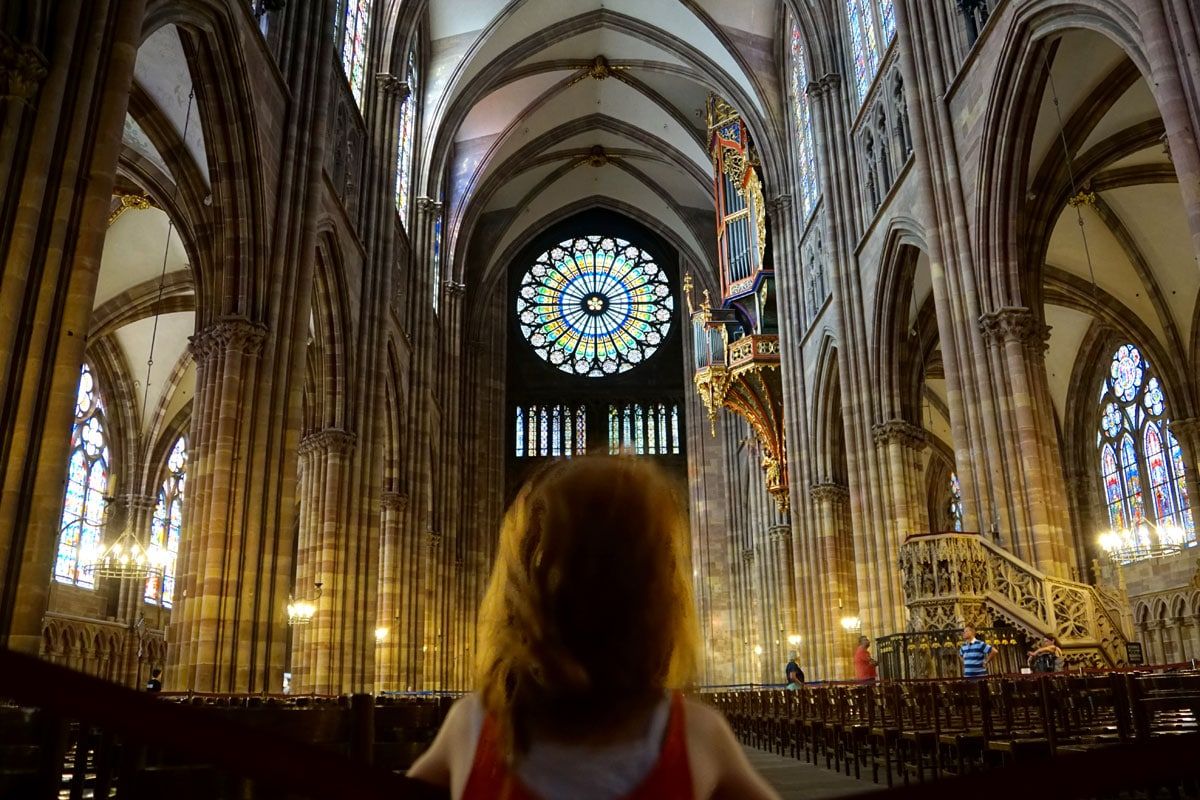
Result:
pixel 301 612
pixel 126 556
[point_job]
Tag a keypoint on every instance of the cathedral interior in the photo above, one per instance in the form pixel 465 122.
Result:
pixel 904 295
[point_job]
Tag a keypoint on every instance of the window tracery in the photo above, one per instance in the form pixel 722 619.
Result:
pixel 643 429
pixel 167 524
pixel 1141 463
pixel 356 24
pixel 87 483
pixel 595 306
pixel 550 430
pixel 405 140
pixel 872 27
pixel 802 112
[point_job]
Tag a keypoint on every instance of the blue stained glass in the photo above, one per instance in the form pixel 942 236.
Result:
pixel 520 431
pixel 167 525
pixel 404 146
pixel 863 45
pixel 956 504
pixel 595 306
pixel 354 45
pixel 87 483
pixel 802 111
pixel 887 20
pixel 1133 426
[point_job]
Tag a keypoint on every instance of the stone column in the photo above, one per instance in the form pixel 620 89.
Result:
pixel 327 554
pixel 837 595
pixel 1033 464
pixel 899 445
pixel 138 511
pixel 398 580
pixel 66 95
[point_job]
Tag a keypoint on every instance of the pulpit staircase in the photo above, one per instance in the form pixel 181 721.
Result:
pixel 954 578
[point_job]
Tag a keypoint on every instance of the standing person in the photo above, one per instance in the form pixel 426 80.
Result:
pixel 792 672
pixel 864 665
pixel 579 698
pixel 976 654
pixel 155 682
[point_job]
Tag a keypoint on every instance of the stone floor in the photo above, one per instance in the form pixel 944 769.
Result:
pixel 797 780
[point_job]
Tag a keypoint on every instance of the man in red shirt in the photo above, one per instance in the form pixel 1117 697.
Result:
pixel 864 665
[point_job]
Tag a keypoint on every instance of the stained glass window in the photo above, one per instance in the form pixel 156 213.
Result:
pixel 404 147
pixel 553 431
pixel 167 524
pixel 357 22
pixel 956 503
pixel 87 482
pixel 644 430
pixel 595 306
pixel 437 262
pixel 802 111
pixel 1141 463
pixel 872 25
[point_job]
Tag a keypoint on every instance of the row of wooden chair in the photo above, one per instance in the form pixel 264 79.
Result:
pixel 913 731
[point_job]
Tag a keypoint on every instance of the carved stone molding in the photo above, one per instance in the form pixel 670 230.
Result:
pixel 829 492
pixel 428 205
pixel 138 502
pixel 22 70
pixel 824 85
pixel 597 157
pixel 748 555
pixel 454 289
pixel 779 533
pixel 393 86
pixel 1015 323
pixel 1188 429
pixel 779 203
pixel 329 441
pixel 228 335
pixel 393 501
pixel 434 540
pixel 904 433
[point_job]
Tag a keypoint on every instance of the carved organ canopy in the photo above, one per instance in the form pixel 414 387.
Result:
pixel 737 339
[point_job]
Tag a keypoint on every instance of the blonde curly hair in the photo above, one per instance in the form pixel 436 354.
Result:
pixel 589 614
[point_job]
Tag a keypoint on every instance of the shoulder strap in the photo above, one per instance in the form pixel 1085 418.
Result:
pixel 490 778
pixel 671 777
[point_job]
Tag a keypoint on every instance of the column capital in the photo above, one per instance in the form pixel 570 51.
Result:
pixel 748 555
pixel 454 289
pixel 393 86
pixel 904 433
pixel 22 69
pixel 779 533
pixel 428 205
pixel 229 334
pixel 134 501
pixel 393 501
pixel 434 540
pixel 329 441
pixel 779 203
pixel 824 85
pixel 1188 427
pixel 829 491
pixel 1015 323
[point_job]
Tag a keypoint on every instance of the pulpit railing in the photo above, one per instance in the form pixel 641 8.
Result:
pixel 954 578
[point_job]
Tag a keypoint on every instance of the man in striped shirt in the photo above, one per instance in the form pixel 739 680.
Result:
pixel 975 654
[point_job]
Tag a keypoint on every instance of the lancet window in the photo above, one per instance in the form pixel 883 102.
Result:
pixel 1142 468
pixel 956 503
pixel 355 26
pixel 872 26
pixel 167 524
pixel 644 429
pixel 405 141
pixel 87 483
pixel 550 430
pixel 806 149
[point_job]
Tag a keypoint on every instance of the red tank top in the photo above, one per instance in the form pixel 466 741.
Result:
pixel 669 779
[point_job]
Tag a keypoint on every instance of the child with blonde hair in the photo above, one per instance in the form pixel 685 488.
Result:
pixel 587 632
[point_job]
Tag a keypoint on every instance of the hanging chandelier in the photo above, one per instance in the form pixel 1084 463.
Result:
pixel 123 557
pixel 301 612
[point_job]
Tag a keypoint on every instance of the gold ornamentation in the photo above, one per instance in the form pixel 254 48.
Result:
pixel 124 202
pixel 597 157
pixel 1083 198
